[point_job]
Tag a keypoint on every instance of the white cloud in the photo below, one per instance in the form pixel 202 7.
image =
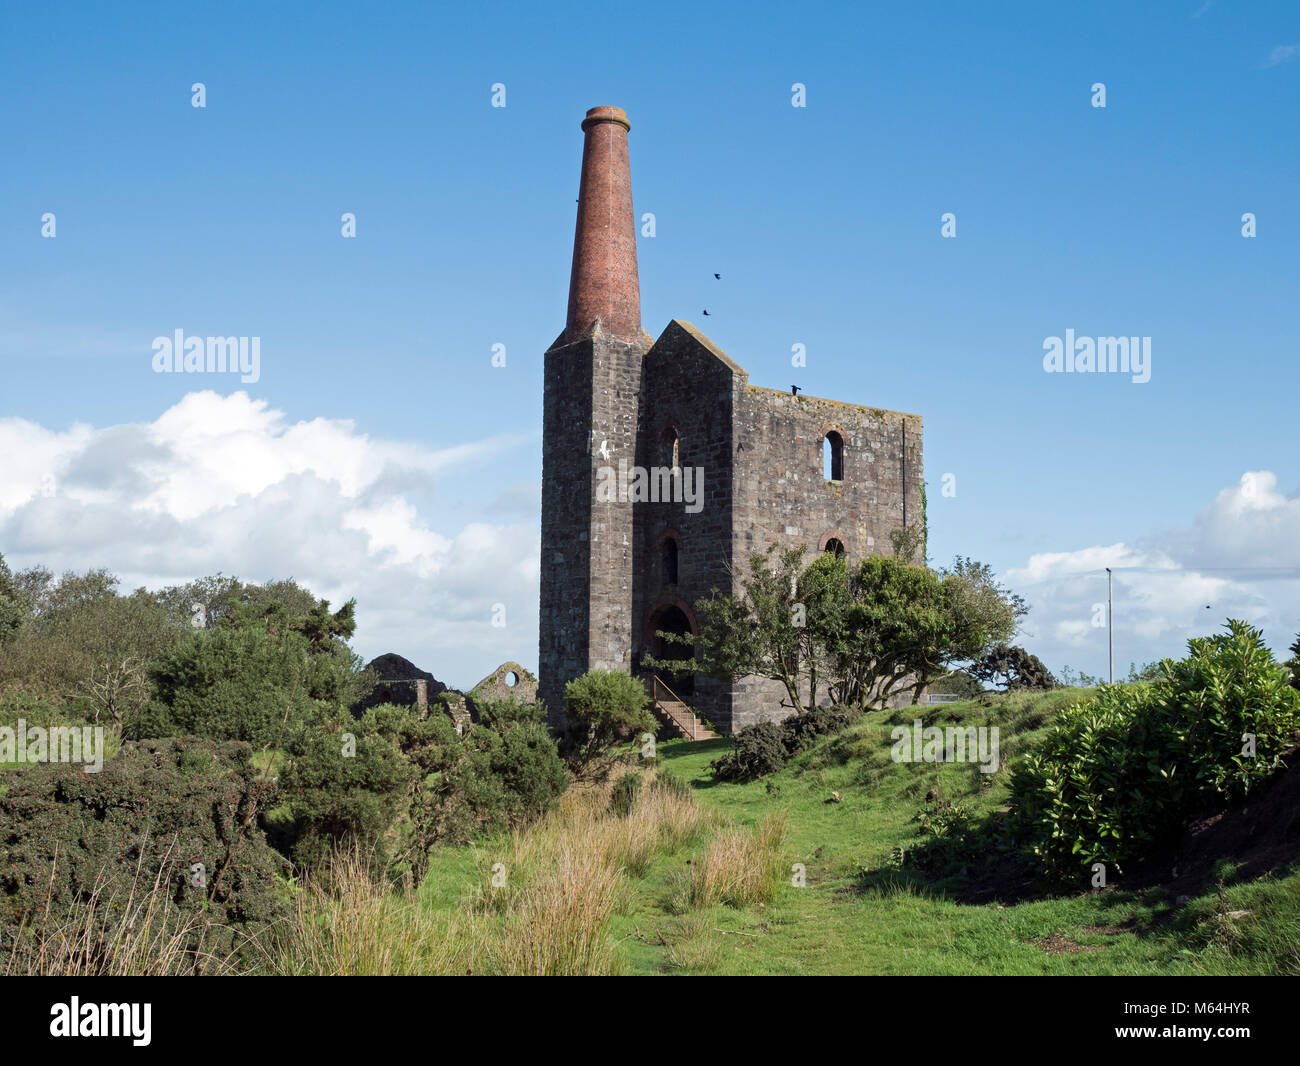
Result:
pixel 229 484
pixel 1239 557
pixel 1283 53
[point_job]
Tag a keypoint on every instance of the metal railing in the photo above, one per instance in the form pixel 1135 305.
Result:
pixel 657 683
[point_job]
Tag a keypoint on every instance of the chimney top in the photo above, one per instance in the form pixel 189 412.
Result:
pixel 603 287
pixel 606 114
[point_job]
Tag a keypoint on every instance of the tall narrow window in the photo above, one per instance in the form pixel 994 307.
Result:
pixel 669 448
pixel 835 547
pixel 670 561
pixel 833 457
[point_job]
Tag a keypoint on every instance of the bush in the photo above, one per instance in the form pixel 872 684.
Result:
pixel 410 783
pixel 257 677
pixel 623 797
pixel 760 749
pixel 1126 768
pixel 802 730
pixel 502 710
pixel 766 747
pixel 346 784
pixel 604 706
pixel 84 848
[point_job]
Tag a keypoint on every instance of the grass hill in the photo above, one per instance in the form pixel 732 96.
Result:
pixel 871 906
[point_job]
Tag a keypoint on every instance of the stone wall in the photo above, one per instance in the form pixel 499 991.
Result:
pixel 589 420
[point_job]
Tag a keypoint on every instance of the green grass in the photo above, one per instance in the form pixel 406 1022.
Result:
pixel 859 915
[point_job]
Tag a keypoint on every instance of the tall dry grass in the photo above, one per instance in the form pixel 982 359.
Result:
pixel 740 867
pixel 349 923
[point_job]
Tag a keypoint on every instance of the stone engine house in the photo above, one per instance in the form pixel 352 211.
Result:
pixel 617 568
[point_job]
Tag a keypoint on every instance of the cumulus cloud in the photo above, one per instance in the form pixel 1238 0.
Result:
pixel 1239 557
pixel 229 484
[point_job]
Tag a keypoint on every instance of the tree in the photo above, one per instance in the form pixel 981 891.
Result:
pixel 14 608
pixel 866 632
pixel 1013 669
pixel 761 632
pixel 893 629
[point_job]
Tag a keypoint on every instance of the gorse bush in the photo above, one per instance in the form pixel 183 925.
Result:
pixel 258 677
pixel 1124 769
pixel 87 848
pixel 766 747
pixel 401 784
pixel 604 707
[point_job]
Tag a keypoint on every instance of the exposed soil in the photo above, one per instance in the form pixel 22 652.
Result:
pixel 1262 834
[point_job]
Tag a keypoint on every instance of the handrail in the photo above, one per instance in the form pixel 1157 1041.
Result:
pixel 658 682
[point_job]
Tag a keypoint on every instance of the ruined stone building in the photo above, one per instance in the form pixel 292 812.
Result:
pixel 617 567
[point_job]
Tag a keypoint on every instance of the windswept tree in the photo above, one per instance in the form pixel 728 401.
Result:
pixel 1011 668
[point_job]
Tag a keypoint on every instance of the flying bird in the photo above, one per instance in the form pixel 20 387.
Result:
pixel 706 312
pixel 794 390
pixel 718 276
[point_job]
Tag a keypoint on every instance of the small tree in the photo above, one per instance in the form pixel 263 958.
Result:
pixel 1013 669
pixel 604 706
pixel 761 632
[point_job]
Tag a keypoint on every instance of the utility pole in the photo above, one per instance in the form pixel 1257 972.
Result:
pixel 1110 623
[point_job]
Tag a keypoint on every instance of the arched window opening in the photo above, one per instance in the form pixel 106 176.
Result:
pixel 670 561
pixel 833 457
pixel 836 547
pixel 669 448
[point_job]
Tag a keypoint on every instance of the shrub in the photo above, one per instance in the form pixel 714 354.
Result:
pixel 346 793
pixel 1124 769
pixel 760 749
pixel 766 747
pixel 410 783
pixel 623 798
pixel 604 706
pixel 87 848
pixel 502 710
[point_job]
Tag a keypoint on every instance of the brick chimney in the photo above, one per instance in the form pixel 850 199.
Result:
pixel 604 283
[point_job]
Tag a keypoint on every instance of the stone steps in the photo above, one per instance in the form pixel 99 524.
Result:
pixel 680 717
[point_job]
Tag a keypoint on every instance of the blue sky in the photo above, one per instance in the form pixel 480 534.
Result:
pixel 824 222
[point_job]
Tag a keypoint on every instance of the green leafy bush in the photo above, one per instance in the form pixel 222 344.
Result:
pixel 256 678
pixel 1125 768
pixel 346 783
